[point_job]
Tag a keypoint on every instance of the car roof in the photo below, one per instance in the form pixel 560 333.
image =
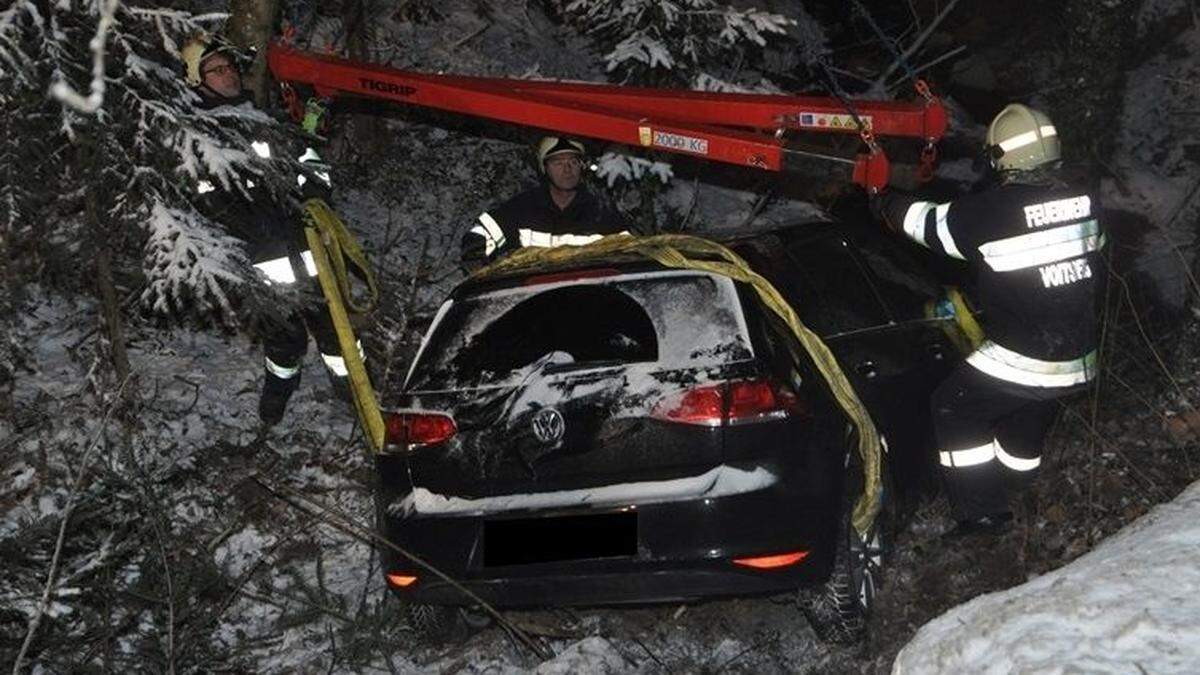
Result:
pixel 630 262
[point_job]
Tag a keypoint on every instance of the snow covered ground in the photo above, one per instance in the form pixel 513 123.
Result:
pixel 1131 605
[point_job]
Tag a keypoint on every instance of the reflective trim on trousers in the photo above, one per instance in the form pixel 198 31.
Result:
pixel 542 239
pixel 1010 366
pixel 337 364
pixel 968 457
pixel 282 372
pixel 984 454
pixel 279 270
pixel 1016 463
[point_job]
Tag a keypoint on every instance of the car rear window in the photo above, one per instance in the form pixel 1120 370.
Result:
pixel 676 319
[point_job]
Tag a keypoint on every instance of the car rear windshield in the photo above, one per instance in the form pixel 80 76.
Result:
pixel 676 319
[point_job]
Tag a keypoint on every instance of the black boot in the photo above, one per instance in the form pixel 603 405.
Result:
pixel 991 525
pixel 341 387
pixel 275 394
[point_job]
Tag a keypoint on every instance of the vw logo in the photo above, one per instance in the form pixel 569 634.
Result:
pixel 548 425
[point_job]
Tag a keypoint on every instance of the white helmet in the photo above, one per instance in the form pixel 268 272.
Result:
pixel 1021 138
pixel 555 145
pixel 198 47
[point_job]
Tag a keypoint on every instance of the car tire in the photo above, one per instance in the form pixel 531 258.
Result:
pixel 436 623
pixel 440 623
pixel 839 609
pixel 475 617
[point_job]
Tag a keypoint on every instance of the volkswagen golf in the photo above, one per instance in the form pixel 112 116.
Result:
pixel 625 432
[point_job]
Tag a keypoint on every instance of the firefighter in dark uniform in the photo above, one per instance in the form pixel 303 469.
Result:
pixel 559 212
pixel 1032 244
pixel 274 237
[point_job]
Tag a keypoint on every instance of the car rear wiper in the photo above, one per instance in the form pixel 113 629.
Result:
pixel 555 368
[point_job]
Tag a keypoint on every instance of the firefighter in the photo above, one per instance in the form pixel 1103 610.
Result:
pixel 1032 245
pixel 274 236
pixel 559 211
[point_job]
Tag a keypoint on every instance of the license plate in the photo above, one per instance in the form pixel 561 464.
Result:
pixel 526 541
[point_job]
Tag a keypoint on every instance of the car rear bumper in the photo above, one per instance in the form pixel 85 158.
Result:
pixel 684 550
pixel 628 587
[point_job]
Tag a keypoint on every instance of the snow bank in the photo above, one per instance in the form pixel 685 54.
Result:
pixel 589 655
pixel 1131 605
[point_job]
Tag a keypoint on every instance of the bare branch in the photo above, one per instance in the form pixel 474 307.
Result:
pixel 915 46
pixel 52 574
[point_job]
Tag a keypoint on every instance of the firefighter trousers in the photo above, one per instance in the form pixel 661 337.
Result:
pixel 989 435
pixel 284 345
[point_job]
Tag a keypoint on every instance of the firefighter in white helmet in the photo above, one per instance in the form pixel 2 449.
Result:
pixel 560 211
pixel 273 234
pixel 1032 244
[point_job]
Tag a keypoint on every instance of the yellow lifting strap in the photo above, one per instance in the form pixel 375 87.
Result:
pixel 964 332
pixel 332 245
pixel 687 252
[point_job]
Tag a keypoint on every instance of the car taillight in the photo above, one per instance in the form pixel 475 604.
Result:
pixel 704 406
pixel 729 403
pixel 401 580
pixel 771 562
pixel 410 429
pixel 753 401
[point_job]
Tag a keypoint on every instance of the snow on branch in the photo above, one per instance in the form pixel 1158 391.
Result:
pixel 612 167
pixel 651 36
pixel 95 98
pixel 189 262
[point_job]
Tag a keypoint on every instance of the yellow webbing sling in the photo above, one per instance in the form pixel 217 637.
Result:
pixel 332 245
pixel 687 252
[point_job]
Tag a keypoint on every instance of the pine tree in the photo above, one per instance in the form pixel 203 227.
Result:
pixel 105 146
pixel 693 44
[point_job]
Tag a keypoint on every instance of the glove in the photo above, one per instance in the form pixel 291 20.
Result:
pixel 880 205
pixel 314 116
pixel 473 248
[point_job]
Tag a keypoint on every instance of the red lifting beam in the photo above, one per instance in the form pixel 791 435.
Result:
pixel 675 121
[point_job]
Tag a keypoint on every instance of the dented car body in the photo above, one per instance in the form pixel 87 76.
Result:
pixel 629 433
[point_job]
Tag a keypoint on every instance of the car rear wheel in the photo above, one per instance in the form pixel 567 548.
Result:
pixel 839 609
pixel 436 623
pixel 440 623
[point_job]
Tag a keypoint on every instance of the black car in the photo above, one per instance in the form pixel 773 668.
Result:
pixel 631 433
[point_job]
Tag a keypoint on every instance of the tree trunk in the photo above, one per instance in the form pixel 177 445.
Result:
pixel 361 131
pixel 114 330
pixel 251 24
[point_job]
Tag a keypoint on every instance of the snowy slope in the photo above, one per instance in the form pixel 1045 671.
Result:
pixel 1131 605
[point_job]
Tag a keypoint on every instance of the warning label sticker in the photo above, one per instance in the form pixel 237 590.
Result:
pixel 832 121
pixel 698 146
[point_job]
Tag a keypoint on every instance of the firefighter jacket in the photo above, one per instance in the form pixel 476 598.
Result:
pixel 273 232
pixel 1034 252
pixel 531 218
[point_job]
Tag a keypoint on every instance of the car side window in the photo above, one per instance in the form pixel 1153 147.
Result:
pixel 903 280
pixel 829 288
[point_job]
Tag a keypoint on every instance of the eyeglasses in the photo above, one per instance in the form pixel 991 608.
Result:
pixel 220 70
pixel 565 160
